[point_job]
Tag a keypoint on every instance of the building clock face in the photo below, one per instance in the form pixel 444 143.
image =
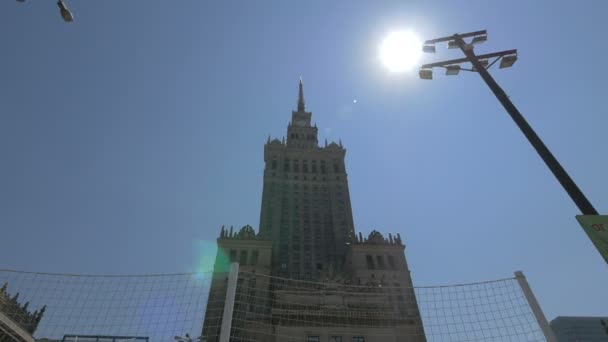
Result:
pixel 300 123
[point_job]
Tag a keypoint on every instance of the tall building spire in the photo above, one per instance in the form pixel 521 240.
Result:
pixel 301 97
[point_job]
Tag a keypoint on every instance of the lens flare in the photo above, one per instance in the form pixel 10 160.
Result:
pixel 400 51
pixel 209 258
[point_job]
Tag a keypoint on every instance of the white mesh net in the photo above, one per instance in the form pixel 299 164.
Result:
pixel 487 311
pixel 160 307
pixel 302 311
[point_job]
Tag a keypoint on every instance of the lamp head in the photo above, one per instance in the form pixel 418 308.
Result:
pixel 426 74
pixel 64 11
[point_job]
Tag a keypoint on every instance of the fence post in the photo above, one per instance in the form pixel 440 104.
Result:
pixel 536 310
pixel 233 277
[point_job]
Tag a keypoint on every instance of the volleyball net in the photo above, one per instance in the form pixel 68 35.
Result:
pixel 170 307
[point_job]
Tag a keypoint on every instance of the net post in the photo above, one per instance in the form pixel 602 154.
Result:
pixel 229 302
pixel 536 310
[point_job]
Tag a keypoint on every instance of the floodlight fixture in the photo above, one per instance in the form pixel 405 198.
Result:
pixel 64 11
pixel 428 48
pixel 452 70
pixel 426 74
pixel 507 61
pixel 479 39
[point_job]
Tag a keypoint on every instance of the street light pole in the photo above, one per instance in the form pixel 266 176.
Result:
pixel 558 171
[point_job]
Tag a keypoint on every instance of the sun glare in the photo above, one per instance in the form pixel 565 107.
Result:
pixel 400 51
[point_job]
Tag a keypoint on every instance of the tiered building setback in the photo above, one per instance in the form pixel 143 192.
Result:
pixel 306 275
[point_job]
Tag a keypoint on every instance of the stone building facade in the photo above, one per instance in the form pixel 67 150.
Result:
pixel 580 329
pixel 17 321
pixel 306 275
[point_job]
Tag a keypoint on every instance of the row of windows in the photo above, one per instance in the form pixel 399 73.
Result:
pixel 243 257
pixel 380 262
pixel 312 338
pixel 304 178
pixel 302 136
pixel 294 166
pixel 295 186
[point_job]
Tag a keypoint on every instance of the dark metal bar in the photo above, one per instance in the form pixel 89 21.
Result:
pixel 465 60
pixel 464 35
pixel 490 65
pixel 558 171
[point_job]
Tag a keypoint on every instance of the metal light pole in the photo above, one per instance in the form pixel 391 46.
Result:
pixel 480 65
pixel 595 226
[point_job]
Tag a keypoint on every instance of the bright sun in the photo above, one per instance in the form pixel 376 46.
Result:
pixel 400 51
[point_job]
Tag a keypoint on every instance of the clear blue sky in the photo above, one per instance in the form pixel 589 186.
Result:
pixel 128 137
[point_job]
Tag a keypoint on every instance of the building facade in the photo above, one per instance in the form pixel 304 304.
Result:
pixel 580 329
pixel 17 322
pixel 306 275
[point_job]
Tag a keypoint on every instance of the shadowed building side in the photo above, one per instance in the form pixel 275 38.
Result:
pixel 306 208
pixel 580 329
pixel 307 236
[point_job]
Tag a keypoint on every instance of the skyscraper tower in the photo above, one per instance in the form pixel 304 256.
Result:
pixel 306 209
pixel 306 276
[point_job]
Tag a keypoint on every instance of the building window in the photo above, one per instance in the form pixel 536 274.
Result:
pixel 233 255
pixel 274 163
pixel 370 262
pixel 296 166
pixel 313 339
pixel 335 339
pixel 254 258
pixel 286 165
pixel 358 339
pixel 380 260
pixel 304 166
pixel 391 262
pixel 243 259
pixel 323 169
